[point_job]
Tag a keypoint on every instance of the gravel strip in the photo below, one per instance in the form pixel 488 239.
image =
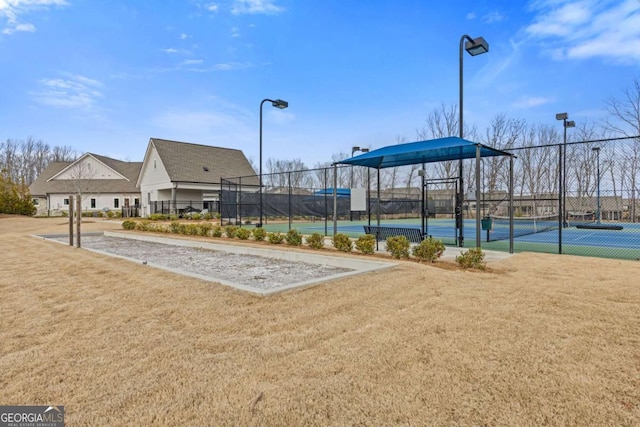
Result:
pixel 250 270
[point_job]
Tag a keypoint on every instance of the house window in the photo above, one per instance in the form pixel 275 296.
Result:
pixel 136 202
pixel 93 203
pixel 116 203
pixel 65 202
pixel 36 202
pixel 154 164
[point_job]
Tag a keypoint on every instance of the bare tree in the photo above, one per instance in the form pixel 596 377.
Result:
pixel 503 134
pixel 536 169
pixel 82 174
pixel 443 122
pixel 391 176
pixel 625 120
pixel 24 160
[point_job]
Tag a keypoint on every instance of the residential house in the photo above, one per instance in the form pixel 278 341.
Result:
pixel 178 176
pixel 101 182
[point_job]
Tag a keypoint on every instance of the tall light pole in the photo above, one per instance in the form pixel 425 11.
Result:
pixel 597 150
pixel 278 103
pixel 563 173
pixel 475 47
pixel 562 180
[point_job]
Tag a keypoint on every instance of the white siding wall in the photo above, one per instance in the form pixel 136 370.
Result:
pixel 102 201
pixel 89 168
pixel 154 181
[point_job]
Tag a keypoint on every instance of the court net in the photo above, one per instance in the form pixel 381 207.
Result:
pixel 574 218
pixel 522 226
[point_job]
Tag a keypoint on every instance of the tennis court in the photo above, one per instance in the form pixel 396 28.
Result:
pixel 621 244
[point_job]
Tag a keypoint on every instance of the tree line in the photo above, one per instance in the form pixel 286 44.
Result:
pixel 21 161
pixel 536 146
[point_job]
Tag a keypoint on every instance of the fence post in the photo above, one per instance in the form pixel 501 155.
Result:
pixel 71 219
pixel 79 219
pixel 335 199
pixel 290 212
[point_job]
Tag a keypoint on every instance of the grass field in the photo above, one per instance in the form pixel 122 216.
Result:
pixel 538 339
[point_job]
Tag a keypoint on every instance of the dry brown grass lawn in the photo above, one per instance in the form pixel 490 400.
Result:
pixel 539 340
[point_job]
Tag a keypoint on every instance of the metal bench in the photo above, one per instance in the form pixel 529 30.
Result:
pixel 382 233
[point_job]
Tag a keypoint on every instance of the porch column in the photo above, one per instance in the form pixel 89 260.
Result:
pixel 173 206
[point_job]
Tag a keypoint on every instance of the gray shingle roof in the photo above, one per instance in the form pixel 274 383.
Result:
pixel 186 162
pixel 131 170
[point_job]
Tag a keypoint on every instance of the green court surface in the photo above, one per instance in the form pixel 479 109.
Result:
pixel 622 244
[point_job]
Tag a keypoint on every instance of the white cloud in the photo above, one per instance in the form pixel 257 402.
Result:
pixel 12 10
pixel 192 62
pixel 212 7
pixel 582 29
pixel 471 15
pixel 233 66
pixel 184 36
pixel 170 50
pixel 493 17
pixel 235 32
pixel 531 101
pixel 266 7
pixel 74 91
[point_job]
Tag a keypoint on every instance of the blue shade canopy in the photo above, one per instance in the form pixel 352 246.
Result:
pixel 433 150
pixel 339 191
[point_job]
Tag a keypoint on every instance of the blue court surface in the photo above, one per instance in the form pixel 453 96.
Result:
pixel 444 229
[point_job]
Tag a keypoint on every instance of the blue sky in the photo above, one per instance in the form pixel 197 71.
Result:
pixel 105 76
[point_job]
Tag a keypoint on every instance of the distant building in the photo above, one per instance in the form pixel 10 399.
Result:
pixel 178 176
pixel 103 183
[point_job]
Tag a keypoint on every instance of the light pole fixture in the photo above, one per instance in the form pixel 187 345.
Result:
pixel 354 149
pixel 598 212
pixel 563 173
pixel 474 47
pixel 278 103
pixel 562 177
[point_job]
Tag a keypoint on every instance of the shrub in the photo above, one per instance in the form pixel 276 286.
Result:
pixel 204 229
pixel 196 216
pixel 398 246
pixel 366 244
pixel 129 225
pixel 14 198
pixel 293 238
pixel 243 233
pixel 173 217
pixel 192 229
pixel 110 214
pixel 64 213
pixel 230 231
pixel 174 227
pixel 207 216
pixel 316 241
pixel 473 258
pixel 144 225
pixel 276 238
pixel 428 250
pixel 156 217
pixel 259 234
pixel 216 231
pixel 342 242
